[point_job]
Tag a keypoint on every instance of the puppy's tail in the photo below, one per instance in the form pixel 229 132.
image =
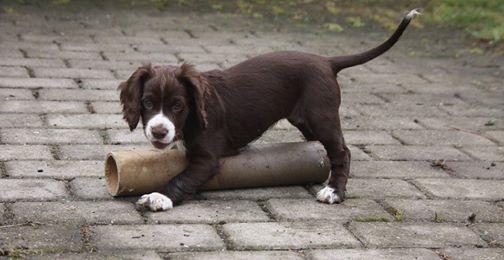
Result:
pixel 341 62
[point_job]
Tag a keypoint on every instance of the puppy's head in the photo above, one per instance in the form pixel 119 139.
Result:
pixel 164 98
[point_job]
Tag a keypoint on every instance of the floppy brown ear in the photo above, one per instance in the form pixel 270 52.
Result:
pixel 197 84
pixel 131 94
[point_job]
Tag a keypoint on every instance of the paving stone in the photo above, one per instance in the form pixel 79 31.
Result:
pixel 103 64
pixel 429 235
pixel 258 194
pixel 496 135
pixel 280 136
pixel 110 255
pixel 474 111
pixel 16 94
pixel 92 152
pixel 211 212
pixel 158 237
pixel 446 210
pixel 473 253
pixel 108 84
pixel 50 38
pixel 107 107
pixel 64 54
pixel 240 255
pixel 492 233
pixel 417 153
pixel 463 188
pixel 103 121
pixel 369 137
pixel 361 98
pixel 125 136
pixel 472 123
pixel 285 235
pixel 18 106
pixel 25 152
pixel 76 212
pixel 28 45
pixel 31 190
pixel 17 120
pixel 2 211
pixel 357 87
pixel 375 254
pixel 90 188
pixel 477 170
pixel 169 48
pixel 212 58
pixel 55 169
pixel 486 153
pixel 395 169
pixel 401 109
pixel 310 209
pixel 85 47
pixel 142 57
pixel 72 73
pixel 388 78
pixel 50 136
pixel 78 94
pixel 52 63
pixel 380 188
pixel 10 53
pixel 435 137
pixel 13 72
pixel 128 39
pixel 44 238
pixel 378 123
pixel 37 83
pixel 446 98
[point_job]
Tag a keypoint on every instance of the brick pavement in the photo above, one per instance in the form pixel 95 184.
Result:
pixel 426 134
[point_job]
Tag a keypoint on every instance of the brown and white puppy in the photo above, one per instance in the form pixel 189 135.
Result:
pixel 216 113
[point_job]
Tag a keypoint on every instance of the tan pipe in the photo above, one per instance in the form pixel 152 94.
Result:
pixel 143 171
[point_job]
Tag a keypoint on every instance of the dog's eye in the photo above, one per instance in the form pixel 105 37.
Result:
pixel 147 104
pixel 178 106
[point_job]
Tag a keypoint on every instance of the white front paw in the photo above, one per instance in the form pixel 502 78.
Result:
pixel 155 202
pixel 328 195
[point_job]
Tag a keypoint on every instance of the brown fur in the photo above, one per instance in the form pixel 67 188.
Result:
pixel 223 111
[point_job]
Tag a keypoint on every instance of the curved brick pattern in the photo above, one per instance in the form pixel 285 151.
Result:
pixel 211 212
pixel 158 237
pixel 415 235
pixel 31 190
pixel 375 254
pixel 242 255
pixel 258 194
pixel 447 210
pixel 55 169
pixel 76 212
pixel 472 253
pixel 464 189
pixel 44 238
pixel 395 169
pixel 310 209
pixel 492 233
pixel 284 235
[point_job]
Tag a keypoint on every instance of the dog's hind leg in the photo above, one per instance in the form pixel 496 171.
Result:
pixel 303 128
pixel 330 135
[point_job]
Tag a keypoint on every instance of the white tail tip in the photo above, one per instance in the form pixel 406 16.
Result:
pixel 412 14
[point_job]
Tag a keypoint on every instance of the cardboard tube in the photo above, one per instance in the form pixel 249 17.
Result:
pixel 143 171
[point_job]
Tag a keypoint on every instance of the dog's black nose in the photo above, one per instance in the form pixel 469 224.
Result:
pixel 159 132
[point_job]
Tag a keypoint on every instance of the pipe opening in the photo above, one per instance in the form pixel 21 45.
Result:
pixel 111 175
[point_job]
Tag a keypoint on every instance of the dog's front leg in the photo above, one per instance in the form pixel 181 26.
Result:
pixel 200 170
